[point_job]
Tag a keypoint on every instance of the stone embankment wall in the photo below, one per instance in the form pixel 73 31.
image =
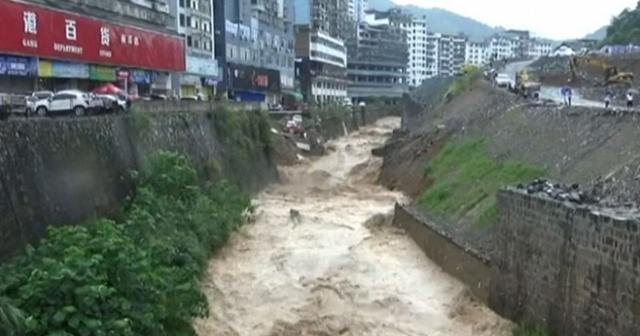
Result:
pixel 571 269
pixel 68 170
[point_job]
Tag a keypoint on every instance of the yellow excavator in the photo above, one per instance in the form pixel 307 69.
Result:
pixel 611 74
pixel 526 85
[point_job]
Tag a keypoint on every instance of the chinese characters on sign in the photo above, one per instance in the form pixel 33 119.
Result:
pixel 71 33
pixel 129 39
pixel 260 80
pixel 31 28
pixel 105 41
pixel 51 33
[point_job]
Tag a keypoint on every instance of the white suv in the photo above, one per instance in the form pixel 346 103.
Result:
pixel 65 101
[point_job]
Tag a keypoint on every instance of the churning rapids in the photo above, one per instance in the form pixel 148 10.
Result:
pixel 322 259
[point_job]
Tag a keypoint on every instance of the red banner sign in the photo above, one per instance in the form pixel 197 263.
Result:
pixel 39 31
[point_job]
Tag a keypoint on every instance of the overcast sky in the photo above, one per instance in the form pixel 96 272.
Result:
pixel 555 19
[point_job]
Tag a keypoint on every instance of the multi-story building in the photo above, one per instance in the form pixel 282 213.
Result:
pixel 357 9
pixel 417 44
pixel 539 48
pixel 257 56
pixel 445 54
pixel 194 21
pixel 378 56
pixel 502 47
pixel 476 53
pixel 321 26
pixel 52 47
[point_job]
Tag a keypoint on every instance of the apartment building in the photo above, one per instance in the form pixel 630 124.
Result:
pixel 446 54
pixel 256 39
pixel 539 49
pixel 502 47
pixel 321 54
pixel 417 69
pixel 193 19
pixel 357 9
pixel 476 53
pixel 378 56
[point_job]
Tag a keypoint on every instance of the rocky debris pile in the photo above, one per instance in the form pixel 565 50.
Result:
pixel 551 64
pixel 574 193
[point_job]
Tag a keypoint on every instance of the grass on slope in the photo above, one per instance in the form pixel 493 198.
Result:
pixel 466 178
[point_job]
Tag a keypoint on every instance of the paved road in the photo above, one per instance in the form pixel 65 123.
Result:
pixel 550 92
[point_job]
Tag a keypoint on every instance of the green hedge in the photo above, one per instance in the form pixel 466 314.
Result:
pixel 140 277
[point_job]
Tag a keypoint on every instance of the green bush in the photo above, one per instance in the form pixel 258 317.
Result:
pixel 242 131
pixel 11 319
pixel 466 178
pixel 140 277
pixel 463 83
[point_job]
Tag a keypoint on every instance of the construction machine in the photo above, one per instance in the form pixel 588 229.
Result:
pixel 526 85
pixel 611 74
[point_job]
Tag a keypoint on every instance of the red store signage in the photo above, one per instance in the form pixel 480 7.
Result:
pixel 39 31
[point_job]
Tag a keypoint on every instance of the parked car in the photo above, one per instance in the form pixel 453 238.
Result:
pixel 75 101
pixel 116 103
pixel 503 80
pixel 33 99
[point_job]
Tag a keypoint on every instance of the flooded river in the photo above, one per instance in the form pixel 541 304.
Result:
pixel 322 259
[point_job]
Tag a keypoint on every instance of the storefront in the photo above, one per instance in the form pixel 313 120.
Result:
pixel 249 83
pixel 135 81
pixel 62 75
pixel 100 74
pixel 17 74
pixel 85 41
pixel 199 72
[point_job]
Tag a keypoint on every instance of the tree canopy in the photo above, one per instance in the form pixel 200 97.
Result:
pixel 625 28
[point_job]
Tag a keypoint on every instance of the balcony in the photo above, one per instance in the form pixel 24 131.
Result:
pixel 258 6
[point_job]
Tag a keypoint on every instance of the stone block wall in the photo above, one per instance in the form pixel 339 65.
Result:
pixel 572 269
pixel 68 170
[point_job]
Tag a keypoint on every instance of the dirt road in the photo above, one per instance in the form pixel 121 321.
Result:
pixel 322 259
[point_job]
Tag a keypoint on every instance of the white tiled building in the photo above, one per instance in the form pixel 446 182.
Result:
pixel 417 46
pixel 445 54
pixel 540 48
pixel 357 8
pixel 476 53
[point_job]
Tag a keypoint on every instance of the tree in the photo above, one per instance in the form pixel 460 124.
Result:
pixel 624 28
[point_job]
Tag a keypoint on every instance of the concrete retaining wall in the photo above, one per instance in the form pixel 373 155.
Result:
pixel 460 261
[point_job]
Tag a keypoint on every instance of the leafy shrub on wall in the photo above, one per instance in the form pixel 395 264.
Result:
pixel 140 277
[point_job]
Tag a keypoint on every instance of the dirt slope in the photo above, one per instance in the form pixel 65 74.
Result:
pixel 571 144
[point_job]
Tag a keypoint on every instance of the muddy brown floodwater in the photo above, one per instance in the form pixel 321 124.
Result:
pixel 322 259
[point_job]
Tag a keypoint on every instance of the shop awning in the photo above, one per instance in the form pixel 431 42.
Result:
pixel 107 88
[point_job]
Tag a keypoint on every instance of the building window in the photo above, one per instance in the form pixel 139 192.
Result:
pixel 182 20
pixel 182 3
pixel 189 41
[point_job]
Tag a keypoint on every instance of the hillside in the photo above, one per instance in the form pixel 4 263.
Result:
pixel 624 28
pixel 443 21
pixel 598 34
